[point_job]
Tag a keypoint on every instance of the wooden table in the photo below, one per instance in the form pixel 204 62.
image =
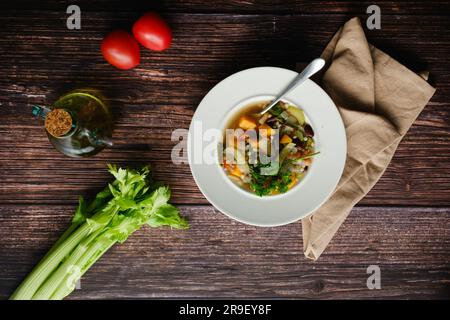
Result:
pixel 403 225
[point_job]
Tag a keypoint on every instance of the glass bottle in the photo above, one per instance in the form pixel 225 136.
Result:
pixel 78 124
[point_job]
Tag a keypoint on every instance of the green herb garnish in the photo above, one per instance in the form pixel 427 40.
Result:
pixel 267 184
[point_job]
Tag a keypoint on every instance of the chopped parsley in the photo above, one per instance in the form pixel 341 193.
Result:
pixel 268 184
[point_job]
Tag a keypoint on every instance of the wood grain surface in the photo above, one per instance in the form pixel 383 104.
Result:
pixel 402 225
pixel 222 258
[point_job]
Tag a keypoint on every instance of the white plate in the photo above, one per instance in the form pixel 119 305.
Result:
pixel 323 175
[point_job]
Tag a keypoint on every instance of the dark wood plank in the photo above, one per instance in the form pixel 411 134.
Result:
pixel 218 257
pixel 40 59
pixel 35 172
pixel 241 6
pixel 210 44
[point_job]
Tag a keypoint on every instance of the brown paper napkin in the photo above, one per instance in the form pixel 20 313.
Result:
pixel 378 99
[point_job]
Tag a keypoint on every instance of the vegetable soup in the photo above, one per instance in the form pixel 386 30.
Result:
pixel 268 154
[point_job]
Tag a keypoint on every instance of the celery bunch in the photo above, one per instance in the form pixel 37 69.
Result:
pixel 129 202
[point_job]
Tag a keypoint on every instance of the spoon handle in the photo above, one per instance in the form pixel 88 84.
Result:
pixel 311 69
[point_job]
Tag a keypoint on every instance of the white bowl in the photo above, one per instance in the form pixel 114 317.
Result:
pixel 259 84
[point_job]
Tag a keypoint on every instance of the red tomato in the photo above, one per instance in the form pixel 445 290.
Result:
pixel 121 50
pixel 152 32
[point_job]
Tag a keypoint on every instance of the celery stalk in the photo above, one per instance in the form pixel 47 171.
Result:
pixel 81 214
pixel 50 285
pixel 45 267
pixel 50 262
pixel 131 201
pixel 89 257
pixel 61 239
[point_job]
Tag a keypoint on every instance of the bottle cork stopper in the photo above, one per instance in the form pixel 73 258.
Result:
pixel 58 122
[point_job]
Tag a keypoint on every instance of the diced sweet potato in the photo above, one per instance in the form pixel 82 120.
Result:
pixel 246 123
pixel 235 171
pixel 285 139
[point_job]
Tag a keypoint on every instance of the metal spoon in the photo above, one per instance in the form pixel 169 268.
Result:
pixel 311 69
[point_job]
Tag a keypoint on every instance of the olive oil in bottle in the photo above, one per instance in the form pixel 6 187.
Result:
pixel 78 124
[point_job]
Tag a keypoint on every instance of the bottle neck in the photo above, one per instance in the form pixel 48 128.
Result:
pixel 59 123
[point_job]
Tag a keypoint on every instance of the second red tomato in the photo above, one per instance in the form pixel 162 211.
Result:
pixel 152 32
